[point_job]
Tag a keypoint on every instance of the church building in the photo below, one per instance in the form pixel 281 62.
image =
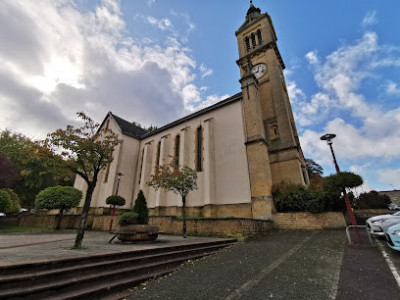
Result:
pixel 240 146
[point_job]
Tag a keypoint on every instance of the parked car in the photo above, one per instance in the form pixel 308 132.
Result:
pixel 393 236
pixel 2 214
pixel 393 206
pixel 378 225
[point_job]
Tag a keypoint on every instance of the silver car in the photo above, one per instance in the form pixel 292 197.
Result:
pixel 378 225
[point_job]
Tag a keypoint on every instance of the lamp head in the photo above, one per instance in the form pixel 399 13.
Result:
pixel 328 137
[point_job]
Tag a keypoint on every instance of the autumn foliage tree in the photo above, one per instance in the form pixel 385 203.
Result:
pixel 87 149
pixel 9 173
pixel 34 172
pixel 178 180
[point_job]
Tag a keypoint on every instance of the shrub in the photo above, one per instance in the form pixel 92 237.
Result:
pixel 128 218
pixel 58 197
pixel 115 200
pixel 290 197
pixel 5 201
pixel 14 207
pixel 141 209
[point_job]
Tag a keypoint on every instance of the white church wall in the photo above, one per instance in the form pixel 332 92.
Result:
pixel 224 178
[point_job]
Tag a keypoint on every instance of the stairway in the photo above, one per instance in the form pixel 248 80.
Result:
pixel 95 276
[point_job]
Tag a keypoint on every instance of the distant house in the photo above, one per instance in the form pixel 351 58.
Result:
pixel 394 195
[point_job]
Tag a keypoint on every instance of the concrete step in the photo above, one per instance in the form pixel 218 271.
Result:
pixel 31 278
pixel 78 260
pixel 86 278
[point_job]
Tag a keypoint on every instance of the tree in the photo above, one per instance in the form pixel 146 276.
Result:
pixel 9 173
pixel 335 185
pixel 36 171
pixel 315 172
pixel 87 149
pixel 14 201
pixel 313 168
pixel 180 181
pixel 141 209
pixel 342 180
pixel 5 201
pixel 62 198
pixel 372 200
pixel 114 200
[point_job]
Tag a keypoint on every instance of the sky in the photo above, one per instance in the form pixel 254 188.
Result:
pixel 153 61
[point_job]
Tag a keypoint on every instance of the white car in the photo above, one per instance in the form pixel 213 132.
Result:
pixel 377 225
pixel 2 214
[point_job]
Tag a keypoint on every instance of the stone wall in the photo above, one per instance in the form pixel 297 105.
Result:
pixel 209 226
pixel 201 227
pixel 305 220
pixel 50 221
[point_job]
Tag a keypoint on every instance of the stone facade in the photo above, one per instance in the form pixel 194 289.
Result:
pixel 240 146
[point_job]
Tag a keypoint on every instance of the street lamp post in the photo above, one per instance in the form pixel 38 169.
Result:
pixel 119 175
pixel 328 138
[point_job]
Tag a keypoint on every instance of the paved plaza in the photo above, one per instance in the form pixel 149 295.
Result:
pixel 278 265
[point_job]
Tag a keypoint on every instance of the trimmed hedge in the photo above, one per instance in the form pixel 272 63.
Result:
pixel 141 209
pixel 115 200
pixel 128 218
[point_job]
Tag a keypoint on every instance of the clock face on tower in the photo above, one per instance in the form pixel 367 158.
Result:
pixel 258 70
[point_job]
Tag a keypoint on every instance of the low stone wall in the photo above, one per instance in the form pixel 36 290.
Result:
pixel 205 227
pixel 210 226
pixel 305 220
pixel 371 212
pixel 218 227
pixel 50 221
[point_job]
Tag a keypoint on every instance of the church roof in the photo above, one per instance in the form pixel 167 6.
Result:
pixel 128 128
pixel 131 129
pixel 217 105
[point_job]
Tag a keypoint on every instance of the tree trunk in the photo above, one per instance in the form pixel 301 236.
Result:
pixel 184 215
pixel 59 219
pixel 84 215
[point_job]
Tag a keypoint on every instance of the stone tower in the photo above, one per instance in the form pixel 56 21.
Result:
pixel 273 148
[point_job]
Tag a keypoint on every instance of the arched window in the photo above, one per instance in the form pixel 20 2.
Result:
pixel 177 148
pixel 199 149
pixel 253 40
pixel 259 36
pixel 247 41
pixel 141 166
pixel 158 156
pixel 107 172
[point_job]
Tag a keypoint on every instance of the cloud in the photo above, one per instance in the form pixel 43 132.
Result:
pixel 162 24
pixel 312 57
pixel 151 2
pixel 370 19
pixel 391 177
pixel 205 71
pixel 366 132
pixel 392 88
pixel 56 60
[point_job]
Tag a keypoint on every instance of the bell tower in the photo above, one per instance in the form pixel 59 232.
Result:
pixel 273 148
